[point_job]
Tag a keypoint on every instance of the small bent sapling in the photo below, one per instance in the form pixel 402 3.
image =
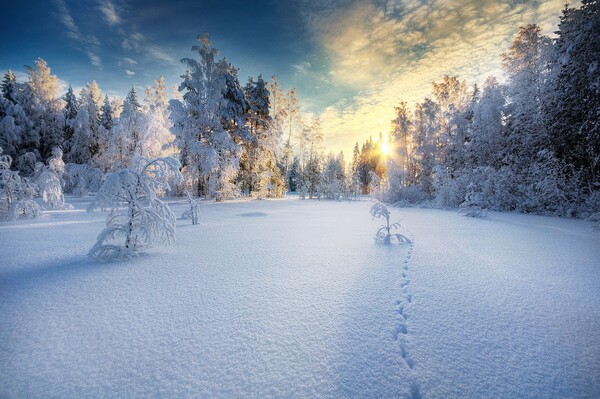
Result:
pixel 384 234
pixel 137 218
pixel 194 211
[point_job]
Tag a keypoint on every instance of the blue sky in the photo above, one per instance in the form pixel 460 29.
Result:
pixel 351 61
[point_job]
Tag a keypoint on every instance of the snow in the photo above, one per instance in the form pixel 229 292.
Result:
pixel 291 298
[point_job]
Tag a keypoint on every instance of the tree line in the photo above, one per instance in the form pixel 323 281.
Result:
pixel 531 144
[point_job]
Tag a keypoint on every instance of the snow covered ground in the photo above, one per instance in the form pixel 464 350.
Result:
pixel 290 298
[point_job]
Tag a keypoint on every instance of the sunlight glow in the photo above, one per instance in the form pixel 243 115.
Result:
pixel 385 148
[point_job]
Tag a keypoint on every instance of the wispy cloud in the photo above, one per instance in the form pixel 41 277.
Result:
pixel 393 51
pixel 160 54
pixel 95 60
pixel 138 43
pixel 109 11
pixel 87 44
pixel 129 61
pixel 129 72
pixel 302 67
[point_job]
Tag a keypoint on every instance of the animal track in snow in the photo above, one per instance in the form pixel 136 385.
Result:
pixel 401 332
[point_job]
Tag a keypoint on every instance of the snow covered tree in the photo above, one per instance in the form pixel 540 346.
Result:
pixel 209 152
pixel 14 123
pixel 128 134
pixel 44 108
pixel 9 86
pixel 265 177
pixel 194 212
pixel 16 194
pixel 157 135
pixel 70 113
pixel 49 188
pixel 81 179
pixel 401 135
pixel 573 102
pixel 473 203
pixel 384 234
pixel 332 183
pixel 294 179
pixel 146 220
pixel 79 148
pixel 525 64
pixel 314 158
pixel 426 136
pixel 487 140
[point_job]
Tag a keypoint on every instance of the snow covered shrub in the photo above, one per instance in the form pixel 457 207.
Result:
pixel 57 166
pixel 473 203
pixel 26 164
pixel 193 212
pixel 410 195
pixel 145 220
pixel 81 179
pixel 383 235
pixel 49 189
pixel 16 194
pixel 448 190
pixel 49 182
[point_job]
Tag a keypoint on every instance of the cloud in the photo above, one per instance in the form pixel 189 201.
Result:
pixel 108 10
pixel 393 51
pixel 87 44
pixel 129 72
pixel 129 61
pixel 94 59
pixel 302 67
pixel 158 53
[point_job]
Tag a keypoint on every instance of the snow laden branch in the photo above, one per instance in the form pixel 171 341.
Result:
pixel 384 235
pixel 137 217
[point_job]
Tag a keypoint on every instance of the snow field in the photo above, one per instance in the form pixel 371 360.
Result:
pixel 262 299
pixel 288 298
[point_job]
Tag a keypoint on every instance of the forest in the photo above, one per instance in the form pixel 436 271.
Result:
pixel 528 141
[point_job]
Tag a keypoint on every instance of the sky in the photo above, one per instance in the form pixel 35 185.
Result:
pixel 350 61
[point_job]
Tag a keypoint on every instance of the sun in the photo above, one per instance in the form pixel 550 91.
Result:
pixel 385 148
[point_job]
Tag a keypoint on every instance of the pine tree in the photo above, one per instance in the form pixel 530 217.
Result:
pixel 265 176
pixel 128 134
pixel 9 87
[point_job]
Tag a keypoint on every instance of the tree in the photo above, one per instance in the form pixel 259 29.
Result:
pixel 384 234
pixel 147 220
pixel 572 92
pixel 128 134
pixel 525 64
pixel 312 170
pixel 209 152
pixel 70 113
pixel 265 177
pixel 426 135
pixel 9 87
pixel 333 178
pixel 157 135
pixel 43 107
pixel 16 194
pixel 401 135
